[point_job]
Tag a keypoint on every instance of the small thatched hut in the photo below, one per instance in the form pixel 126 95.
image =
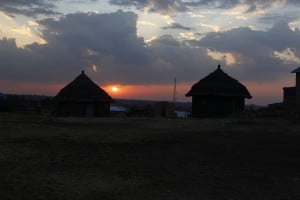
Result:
pixel 217 95
pixel 82 98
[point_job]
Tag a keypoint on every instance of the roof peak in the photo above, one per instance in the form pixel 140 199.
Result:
pixel 82 88
pixel 219 83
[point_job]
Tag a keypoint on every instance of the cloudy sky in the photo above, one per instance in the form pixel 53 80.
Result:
pixel 140 46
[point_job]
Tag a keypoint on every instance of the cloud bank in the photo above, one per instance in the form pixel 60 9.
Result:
pixel 28 7
pixel 177 26
pixel 33 8
pixel 173 6
pixel 107 46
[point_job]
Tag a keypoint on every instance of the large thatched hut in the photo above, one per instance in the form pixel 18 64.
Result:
pixel 82 98
pixel 217 95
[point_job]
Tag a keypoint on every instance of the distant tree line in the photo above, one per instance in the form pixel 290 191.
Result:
pixel 26 103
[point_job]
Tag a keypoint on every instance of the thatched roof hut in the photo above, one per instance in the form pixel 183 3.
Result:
pixel 218 83
pixel 217 94
pixel 82 97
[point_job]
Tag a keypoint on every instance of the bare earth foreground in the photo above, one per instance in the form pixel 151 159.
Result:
pixel 44 158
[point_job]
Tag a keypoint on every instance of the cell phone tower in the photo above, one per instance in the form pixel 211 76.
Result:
pixel 175 91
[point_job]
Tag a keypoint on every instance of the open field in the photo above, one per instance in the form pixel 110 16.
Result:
pixel 143 159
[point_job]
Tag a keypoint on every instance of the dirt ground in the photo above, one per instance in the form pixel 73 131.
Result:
pixel 143 159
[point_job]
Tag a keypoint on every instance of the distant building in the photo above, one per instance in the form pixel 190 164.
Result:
pixel 291 95
pixel 165 109
pixel 181 114
pixel 3 104
pixel 297 72
pixel 2 96
pixel 82 98
pixel 118 111
pixel 217 95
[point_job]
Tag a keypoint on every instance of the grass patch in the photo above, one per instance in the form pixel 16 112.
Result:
pixel 70 158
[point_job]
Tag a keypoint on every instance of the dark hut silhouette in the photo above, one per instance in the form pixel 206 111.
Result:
pixel 217 95
pixel 82 98
pixel 291 95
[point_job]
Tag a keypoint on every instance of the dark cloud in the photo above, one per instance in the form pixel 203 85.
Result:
pixel 254 50
pixel 47 7
pixel 213 3
pixel 106 34
pixel 171 6
pixel 177 26
pixel 171 58
pixel 76 42
pixel 109 41
pixel 166 6
pixel 28 7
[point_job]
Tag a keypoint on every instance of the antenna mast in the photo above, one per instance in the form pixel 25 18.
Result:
pixel 175 91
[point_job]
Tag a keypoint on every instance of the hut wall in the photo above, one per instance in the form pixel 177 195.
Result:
pixel 68 109
pixel 82 109
pixel 216 106
pixel 289 101
pixel 289 97
pixel 298 91
pixel 102 109
pixel 165 109
pixel 239 104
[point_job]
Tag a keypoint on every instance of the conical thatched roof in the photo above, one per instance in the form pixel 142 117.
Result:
pixel 218 83
pixel 82 89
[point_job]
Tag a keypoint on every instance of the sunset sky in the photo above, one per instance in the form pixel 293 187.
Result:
pixel 140 46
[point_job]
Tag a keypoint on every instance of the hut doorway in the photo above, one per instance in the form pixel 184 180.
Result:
pixel 90 110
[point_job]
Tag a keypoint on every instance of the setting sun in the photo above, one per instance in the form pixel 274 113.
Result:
pixel 114 89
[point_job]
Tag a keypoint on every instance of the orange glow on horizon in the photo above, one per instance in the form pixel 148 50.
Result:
pixel 263 93
pixel 46 89
pixel 162 92
pixel 115 89
pixel 267 92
